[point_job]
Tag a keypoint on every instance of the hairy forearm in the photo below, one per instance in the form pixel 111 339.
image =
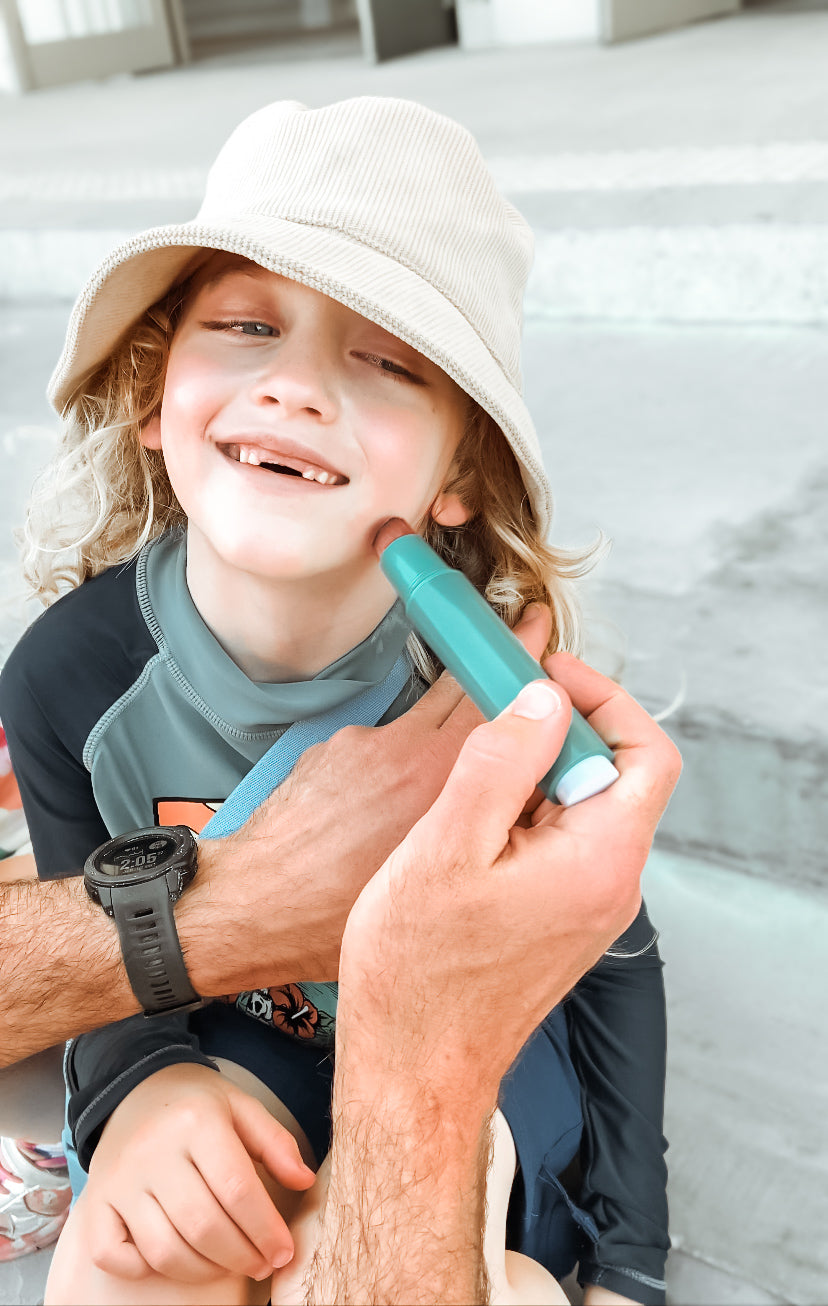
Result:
pixel 61 970
pixel 231 936
pixel 405 1212
pixel 61 967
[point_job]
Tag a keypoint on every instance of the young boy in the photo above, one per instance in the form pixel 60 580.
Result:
pixel 333 341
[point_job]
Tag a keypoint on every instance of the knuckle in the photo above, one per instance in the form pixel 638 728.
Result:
pixel 201 1227
pixel 165 1256
pixel 672 763
pixel 102 1255
pixel 344 741
pixel 494 748
pixel 189 1118
pixel 238 1187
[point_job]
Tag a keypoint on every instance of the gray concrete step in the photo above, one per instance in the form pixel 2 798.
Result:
pixel 745 971
pixel 694 198
pixel 702 453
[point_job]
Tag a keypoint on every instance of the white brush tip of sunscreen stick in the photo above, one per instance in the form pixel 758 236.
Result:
pixel 585 778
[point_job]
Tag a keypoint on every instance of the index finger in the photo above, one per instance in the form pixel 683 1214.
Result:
pixel 644 755
pixel 437 705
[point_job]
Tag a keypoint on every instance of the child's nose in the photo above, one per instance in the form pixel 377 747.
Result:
pixel 295 377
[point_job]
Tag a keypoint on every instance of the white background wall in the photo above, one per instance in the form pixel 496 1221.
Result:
pixel 485 23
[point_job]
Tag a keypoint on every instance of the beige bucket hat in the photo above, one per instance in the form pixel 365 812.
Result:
pixel 379 203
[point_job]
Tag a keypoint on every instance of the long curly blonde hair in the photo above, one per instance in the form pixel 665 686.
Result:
pixel 104 496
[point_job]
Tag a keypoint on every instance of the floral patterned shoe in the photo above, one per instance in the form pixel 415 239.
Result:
pixel 34 1196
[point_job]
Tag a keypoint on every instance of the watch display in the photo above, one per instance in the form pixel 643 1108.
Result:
pixel 140 854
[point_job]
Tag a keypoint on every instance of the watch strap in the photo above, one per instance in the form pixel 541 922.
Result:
pixel 151 948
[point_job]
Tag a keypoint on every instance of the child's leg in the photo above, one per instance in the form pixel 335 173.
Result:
pixel 75 1281
pixel 516 1280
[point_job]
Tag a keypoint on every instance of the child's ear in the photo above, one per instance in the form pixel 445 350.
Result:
pixel 449 510
pixel 150 436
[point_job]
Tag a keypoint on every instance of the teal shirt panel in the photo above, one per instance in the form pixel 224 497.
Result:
pixel 193 724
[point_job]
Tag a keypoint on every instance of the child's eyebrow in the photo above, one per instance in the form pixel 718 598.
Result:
pixel 218 277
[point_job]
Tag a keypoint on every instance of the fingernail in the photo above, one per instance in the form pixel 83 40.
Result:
pixel 536 700
pixel 282 1258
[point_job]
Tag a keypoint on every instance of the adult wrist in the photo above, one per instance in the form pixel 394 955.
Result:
pixel 203 931
pixel 219 923
pixel 443 1094
pixel 427 1069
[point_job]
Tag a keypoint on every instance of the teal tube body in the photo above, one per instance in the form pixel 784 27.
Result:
pixel 486 659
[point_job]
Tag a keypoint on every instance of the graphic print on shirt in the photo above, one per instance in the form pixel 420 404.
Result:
pixel 306 1011
pixel 192 812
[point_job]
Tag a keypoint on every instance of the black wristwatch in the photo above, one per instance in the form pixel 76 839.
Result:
pixel 136 878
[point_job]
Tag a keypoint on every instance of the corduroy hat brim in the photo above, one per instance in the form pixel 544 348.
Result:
pixel 366 279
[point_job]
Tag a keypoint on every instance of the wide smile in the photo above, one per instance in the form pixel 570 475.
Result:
pixel 282 461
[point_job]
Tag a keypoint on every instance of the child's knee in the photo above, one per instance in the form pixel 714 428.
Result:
pixel 528 1284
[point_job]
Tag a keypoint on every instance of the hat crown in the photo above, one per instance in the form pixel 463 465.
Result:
pixel 393 176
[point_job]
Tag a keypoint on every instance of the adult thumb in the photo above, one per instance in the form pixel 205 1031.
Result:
pixel 498 768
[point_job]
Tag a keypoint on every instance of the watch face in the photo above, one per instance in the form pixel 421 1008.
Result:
pixel 145 852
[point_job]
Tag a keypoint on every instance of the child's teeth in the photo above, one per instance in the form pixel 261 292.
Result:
pixel 255 458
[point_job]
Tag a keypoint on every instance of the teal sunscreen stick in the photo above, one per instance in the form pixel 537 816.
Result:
pixel 483 655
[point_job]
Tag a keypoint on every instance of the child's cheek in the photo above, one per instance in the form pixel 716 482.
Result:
pixel 187 389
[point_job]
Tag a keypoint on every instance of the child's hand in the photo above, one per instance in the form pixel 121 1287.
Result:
pixel 175 1188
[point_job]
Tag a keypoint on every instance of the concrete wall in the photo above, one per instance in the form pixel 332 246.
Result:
pixel 623 20
pixel 215 19
pixel 486 23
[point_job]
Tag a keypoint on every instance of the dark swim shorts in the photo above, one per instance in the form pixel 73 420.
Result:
pixel 540 1098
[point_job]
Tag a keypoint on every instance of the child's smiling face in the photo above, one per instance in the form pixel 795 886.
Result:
pixel 265 373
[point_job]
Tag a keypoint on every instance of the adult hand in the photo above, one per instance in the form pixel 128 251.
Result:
pixel 269 904
pixel 476 926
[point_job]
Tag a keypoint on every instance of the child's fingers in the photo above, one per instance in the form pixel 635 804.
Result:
pixel 205 1224
pixel 111 1247
pixel 166 1248
pixel 228 1170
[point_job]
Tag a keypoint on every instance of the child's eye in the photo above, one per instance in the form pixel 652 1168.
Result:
pixel 254 328
pixel 243 326
pixel 391 368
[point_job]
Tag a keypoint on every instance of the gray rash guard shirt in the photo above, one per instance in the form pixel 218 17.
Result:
pixel 122 710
